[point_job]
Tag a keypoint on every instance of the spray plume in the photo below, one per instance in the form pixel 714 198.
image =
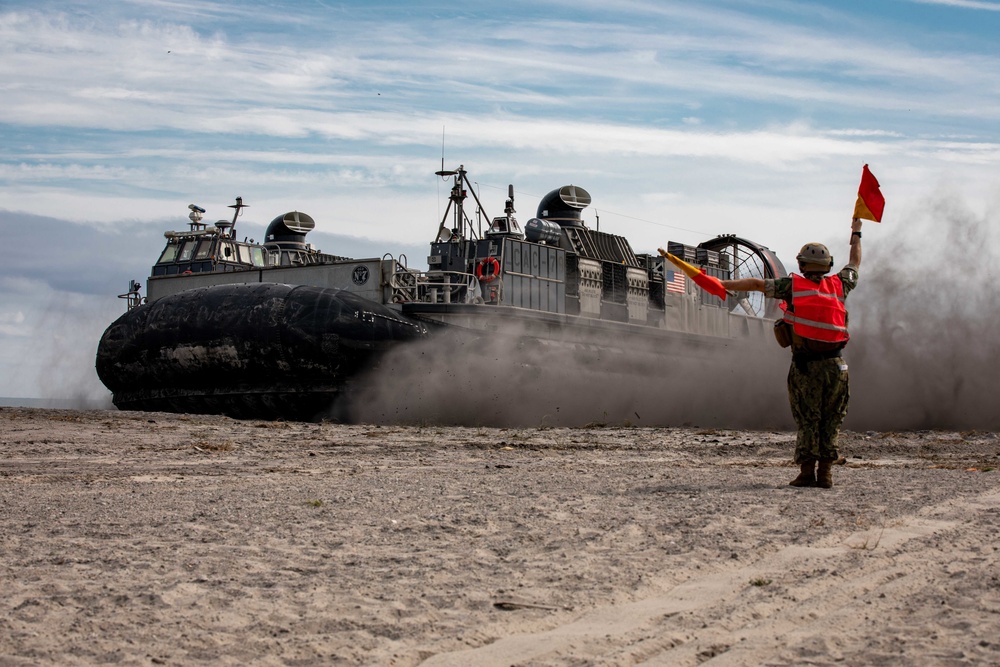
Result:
pixel 508 378
pixel 924 350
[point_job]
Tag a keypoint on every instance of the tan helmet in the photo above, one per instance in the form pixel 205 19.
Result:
pixel 815 257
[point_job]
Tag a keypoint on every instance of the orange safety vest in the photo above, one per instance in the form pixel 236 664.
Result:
pixel 818 311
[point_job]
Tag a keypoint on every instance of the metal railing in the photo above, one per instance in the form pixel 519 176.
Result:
pixel 408 286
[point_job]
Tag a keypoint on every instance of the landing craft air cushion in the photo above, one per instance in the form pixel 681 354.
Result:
pixel 280 330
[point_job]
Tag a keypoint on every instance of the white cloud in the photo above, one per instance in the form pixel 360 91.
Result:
pixel 11 323
pixel 964 4
pixel 63 72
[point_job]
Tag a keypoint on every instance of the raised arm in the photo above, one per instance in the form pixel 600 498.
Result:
pixel 855 258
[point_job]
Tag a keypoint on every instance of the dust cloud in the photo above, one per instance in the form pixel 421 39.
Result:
pixel 924 349
pixel 511 379
pixel 60 371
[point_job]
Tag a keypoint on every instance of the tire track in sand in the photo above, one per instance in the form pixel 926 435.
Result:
pixel 825 600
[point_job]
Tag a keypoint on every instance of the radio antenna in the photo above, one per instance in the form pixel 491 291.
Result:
pixel 442 148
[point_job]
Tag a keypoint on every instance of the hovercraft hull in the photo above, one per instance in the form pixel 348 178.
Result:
pixel 246 350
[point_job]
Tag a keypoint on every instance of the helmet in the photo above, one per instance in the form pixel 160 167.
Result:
pixel 815 257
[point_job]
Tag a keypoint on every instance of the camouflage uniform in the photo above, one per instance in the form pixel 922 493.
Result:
pixel 818 388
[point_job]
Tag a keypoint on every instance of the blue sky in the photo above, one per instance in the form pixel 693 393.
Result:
pixel 683 120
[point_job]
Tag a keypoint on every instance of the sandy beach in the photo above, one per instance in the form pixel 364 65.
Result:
pixel 156 539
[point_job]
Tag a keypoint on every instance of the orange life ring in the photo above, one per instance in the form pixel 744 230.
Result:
pixel 493 274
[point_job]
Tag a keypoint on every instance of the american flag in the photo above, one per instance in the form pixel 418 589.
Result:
pixel 676 282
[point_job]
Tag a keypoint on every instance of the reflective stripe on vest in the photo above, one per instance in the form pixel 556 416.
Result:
pixel 816 292
pixel 818 311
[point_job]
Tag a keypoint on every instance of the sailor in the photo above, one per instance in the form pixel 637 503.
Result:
pixel 815 327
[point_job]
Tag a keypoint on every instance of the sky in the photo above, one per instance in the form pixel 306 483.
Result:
pixel 683 119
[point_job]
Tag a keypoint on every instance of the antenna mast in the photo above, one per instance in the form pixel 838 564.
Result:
pixel 442 148
pixel 239 206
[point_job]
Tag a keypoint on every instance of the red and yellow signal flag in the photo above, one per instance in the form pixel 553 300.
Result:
pixel 870 200
pixel 710 284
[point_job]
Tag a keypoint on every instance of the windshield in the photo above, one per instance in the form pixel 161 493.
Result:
pixel 169 254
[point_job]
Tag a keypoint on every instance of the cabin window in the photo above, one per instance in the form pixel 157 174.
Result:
pixel 257 256
pixel 169 254
pixel 204 249
pixel 244 253
pixel 187 249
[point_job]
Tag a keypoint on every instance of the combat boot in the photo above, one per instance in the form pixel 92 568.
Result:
pixel 807 475
pixel 824 476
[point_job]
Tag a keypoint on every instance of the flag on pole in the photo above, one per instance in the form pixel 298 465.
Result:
pixel 710 284
pixel 870 200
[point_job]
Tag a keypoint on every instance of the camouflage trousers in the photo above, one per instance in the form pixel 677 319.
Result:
pixel 818 392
